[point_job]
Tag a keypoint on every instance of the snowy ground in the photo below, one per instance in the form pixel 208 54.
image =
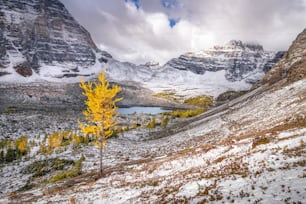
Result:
pixel 250 150
pixel 187 83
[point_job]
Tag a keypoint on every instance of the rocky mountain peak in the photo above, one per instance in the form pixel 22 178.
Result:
pixel 292 66
pixel 234 44
pixel 239 45
pixel 40 38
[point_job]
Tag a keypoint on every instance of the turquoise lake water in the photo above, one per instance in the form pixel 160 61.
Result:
pixel 141 109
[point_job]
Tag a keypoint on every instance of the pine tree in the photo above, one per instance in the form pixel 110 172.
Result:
pixel 11 155
pixel 101 110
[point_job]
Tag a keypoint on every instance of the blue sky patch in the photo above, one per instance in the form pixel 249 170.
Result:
pixel 172 22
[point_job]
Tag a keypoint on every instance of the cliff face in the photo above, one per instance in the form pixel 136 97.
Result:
pixel 293 66
pixel 41 33
pixel 238 59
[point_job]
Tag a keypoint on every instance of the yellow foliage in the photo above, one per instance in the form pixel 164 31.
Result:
pixel 201 101
pixel 101 108
pixel 77 139
pixel 66 134
pixel 10 111
pixel 119 129
pixel 167 95
pixel 55 140
pixel 164 121
pixel 135 125
pixel 22 144
pixel 152 123
pixel 185 113
pixel 42 149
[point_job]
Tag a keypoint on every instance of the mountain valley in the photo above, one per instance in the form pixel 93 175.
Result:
pixel 233 130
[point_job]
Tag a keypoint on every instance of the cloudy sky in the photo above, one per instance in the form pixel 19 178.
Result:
pixel 158 30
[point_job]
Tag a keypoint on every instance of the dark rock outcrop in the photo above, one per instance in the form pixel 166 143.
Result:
pixel 24 69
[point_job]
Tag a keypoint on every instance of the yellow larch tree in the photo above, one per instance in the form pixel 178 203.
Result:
pixel 101 110
pixel 22 145
pixel 55 140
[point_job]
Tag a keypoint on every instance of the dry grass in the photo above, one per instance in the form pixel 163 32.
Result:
pixel 272 132
pixel 220 159
pixel 260 141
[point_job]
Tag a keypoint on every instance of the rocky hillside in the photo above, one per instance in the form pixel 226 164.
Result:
pixel 293 66
pixel 41 40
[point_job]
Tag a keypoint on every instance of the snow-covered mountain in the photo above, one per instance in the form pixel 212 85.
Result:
pixel 241 61
pixel 41 42
pixel 234 66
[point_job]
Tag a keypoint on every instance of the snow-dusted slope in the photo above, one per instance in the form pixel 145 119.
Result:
pixel 185 82
pixel 250 150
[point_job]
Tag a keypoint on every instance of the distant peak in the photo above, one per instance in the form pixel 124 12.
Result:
pixel 254 46
pixel 234 43
pixel 238 44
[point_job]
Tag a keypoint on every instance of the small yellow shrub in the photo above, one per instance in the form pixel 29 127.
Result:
pixel 75 171
pixel 135 125
pixel 164 121
pixel 77 139
pixel 22 144
pixel 55 140
pixel 167 95
pixel 151 124
pixel 119 129
pixel 42 148
pixel 185 113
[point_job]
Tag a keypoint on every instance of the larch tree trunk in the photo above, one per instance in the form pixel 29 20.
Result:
pixel 101 154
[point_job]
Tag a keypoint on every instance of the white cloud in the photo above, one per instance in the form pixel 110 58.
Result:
pixel 140 35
